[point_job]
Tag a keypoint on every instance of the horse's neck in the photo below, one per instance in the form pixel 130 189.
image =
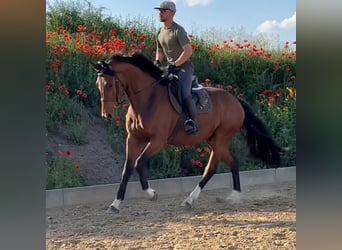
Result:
pixel 144 93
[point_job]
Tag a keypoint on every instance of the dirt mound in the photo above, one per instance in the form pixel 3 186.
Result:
pixel 100 163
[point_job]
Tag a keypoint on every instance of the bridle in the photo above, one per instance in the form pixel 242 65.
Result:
pixel 106 70
pixel 118 84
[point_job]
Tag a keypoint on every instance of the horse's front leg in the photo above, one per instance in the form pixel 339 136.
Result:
pixel 151 148
pixel 133 148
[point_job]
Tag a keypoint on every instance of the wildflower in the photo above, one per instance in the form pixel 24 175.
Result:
pixel 207 80
pixel 117 121
pixel 84 95
pixel 293 78
pixel 292 91
pixel 267 92
pixel 287 69
pixel 78 92
pixel 229 87
pixel 202 155
pixel 66 92
pixel 199 150
pixel 68 153
pixel 271 99
pixel 59 152
pixel 78 167
pixel 206 149
pixel 211 62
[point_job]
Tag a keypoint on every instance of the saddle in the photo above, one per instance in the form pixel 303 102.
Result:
pixel 199 95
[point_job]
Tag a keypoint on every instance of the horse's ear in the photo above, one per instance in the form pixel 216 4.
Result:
pixel 97 66
pixel 104 64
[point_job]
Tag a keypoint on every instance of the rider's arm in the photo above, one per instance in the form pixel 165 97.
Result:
pixel 185 56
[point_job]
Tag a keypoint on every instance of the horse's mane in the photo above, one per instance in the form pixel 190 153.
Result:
pixel 140 61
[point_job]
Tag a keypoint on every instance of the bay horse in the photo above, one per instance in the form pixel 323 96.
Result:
pixel 150 120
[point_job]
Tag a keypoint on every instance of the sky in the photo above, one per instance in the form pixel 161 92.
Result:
pixel 273 19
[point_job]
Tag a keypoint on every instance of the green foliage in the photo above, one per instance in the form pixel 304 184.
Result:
pixel 63 111
pixel 165 164
pixel 62 171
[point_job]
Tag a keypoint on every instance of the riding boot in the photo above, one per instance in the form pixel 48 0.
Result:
pixel 191 126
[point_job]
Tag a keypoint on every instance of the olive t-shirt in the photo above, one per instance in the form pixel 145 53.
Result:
pixel 171 40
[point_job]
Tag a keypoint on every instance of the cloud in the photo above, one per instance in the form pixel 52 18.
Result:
pixel 272 26
pixel 197 2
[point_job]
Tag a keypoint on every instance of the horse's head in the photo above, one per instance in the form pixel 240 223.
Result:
pixel 109 87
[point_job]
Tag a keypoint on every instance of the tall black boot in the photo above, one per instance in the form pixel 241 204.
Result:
pixel 191 126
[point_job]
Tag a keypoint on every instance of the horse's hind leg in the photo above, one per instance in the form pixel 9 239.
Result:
pixel 209 171
pixel 218 144
pixel 230 160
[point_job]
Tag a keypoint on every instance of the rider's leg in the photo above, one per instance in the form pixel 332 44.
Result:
pixel 185 79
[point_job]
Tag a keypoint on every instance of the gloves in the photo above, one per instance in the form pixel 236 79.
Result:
pixel 171 68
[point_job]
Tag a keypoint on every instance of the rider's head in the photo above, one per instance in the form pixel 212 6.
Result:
pixel 167 10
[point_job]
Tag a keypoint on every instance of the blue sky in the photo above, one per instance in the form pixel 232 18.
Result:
pixel 273 18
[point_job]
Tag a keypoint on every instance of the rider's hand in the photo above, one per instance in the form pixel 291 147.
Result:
pixel 157 63
pixel 171 67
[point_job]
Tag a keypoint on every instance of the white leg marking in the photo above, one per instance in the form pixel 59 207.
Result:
pixel 116 203
pixel 235 196
pixel 150 193
pixel 192 197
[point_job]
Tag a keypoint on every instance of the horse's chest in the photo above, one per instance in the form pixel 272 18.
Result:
pixel 136 126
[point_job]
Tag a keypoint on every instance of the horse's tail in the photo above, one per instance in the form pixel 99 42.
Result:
pixel 259 139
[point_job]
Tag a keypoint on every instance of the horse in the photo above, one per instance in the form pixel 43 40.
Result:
pixel 151 120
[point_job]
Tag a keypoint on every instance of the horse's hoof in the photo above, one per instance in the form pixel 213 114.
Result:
pixel 186 204
pixel 154 197
pixel 113 209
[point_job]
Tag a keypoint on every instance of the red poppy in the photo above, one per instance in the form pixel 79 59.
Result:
pixel 117 121
pixel 78 167
pixel 206 149
pixel 288 68
pixel 229 87
pixel 68 153
pixel 267 92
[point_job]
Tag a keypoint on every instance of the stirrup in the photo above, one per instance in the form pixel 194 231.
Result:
pixel 190 127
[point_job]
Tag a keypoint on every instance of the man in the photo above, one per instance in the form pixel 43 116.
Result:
pixel 174 46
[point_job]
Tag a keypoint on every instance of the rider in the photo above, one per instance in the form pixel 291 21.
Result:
pixel 173 45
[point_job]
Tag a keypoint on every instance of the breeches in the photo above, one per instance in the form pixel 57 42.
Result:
pixel 185 78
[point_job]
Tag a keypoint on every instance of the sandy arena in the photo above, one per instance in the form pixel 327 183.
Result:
pixel 265 218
